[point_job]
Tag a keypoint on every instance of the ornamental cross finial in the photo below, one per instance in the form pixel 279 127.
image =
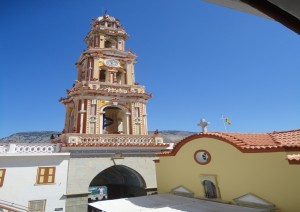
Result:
pixel 104 12
pixel 203 124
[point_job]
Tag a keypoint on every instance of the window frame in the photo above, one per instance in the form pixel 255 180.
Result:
pixel 2 177
pixel 210 191
pixel 46 175
pixel 32 206
pixel 213 180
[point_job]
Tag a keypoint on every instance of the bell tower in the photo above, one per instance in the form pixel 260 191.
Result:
pixel 105 98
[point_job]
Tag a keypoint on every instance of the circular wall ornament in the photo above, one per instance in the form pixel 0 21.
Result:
pixel 202 157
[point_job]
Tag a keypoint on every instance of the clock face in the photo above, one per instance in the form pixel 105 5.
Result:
pixel 112 63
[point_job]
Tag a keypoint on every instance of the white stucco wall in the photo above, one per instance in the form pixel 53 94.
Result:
pixel 20 179
pixel 83 170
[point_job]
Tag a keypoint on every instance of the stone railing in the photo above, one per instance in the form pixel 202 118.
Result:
pixel 118 88
pixel 24 148
pixel 116 139
pixel 10 206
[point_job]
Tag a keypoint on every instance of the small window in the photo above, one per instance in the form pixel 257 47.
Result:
pixel 102 76
pixel 2 175
pixel 210 189
pixel 107 44
pixel 210 186
pixel 46 175
pixel 37 205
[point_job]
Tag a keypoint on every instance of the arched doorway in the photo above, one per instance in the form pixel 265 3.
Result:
pixel 117 182
pixel 115 120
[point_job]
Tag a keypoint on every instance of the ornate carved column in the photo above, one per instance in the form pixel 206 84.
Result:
pixel 127 123
pixel 101 122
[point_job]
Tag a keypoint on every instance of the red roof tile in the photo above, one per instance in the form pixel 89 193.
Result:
pixel 294 157
pixel 249 142
pixel 287 138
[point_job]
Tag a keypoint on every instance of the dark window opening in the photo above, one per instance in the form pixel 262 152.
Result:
pixel 210 189
pixel 102 76
pixel 107 44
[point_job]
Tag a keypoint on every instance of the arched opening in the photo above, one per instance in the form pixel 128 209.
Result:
pixel 102 75
pixel 114 120
pixel 209 189
pixel 110 43
pixel 116 182
pixel 107 44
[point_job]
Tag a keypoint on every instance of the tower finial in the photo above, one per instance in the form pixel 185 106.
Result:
pixel 104 12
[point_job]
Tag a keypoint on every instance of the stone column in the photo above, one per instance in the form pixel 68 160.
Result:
pixel 127 123
pixel 115 77
pixel 111 77
pixel 81 116
pixel 101 122
pixel 145 124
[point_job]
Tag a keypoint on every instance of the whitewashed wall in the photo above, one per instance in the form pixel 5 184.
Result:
pixel 20 179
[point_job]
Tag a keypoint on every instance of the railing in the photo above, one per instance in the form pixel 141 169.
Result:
pixel 115 139
pixel 10 206
pixel 4 147
pixel 115 87
pixel 29 148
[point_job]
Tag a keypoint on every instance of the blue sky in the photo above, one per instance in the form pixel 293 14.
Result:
pixel 199 60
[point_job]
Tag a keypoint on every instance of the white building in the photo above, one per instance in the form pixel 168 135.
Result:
pixel 33 177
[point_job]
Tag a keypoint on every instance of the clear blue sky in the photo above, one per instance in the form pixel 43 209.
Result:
pixel 199 60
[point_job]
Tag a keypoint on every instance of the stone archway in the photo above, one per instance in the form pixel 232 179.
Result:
pixel 114 120
pixel 116 182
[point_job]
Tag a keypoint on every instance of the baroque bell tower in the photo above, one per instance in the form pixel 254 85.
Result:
pixel 105 98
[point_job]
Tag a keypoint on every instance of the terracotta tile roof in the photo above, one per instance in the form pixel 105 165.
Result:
pixel 287 138
pixel 294 157
pixel 249 142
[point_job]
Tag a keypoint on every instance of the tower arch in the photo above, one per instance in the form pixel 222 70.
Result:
pixel 115 119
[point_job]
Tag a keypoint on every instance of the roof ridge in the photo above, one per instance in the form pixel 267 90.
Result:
pixel 259 133
pixel 287 131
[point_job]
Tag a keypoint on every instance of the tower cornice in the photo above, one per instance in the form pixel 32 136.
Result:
pixel 106 54
pixel 107 31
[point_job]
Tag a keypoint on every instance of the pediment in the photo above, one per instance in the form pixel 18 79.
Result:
pixel 253 200
pixel 183 191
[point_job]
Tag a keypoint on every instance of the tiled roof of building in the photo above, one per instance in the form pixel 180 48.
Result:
pixel 288 138
pixel 249 142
